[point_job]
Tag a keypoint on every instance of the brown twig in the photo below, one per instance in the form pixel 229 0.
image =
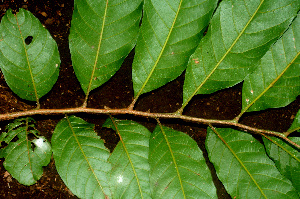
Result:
pixel 8 116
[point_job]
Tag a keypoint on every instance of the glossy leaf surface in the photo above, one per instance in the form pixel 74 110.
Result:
pixel 286 158
pixel 81 158
pixel 240 33
pixel 129 177
pixel 244 168
pixel 169 34
pixel 276 81
pixel 22 161
pixel 29 57
pixel 177 166
pixel 102 34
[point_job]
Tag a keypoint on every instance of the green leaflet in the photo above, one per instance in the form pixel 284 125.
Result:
pixel 101 36
pixel 177 166
pixel 244 168
pixel 30 70
pixel 286 158
pixel 296 123
pixel 81 158
pixel 129 177
pixel 276 81
pixel 22 161
pixel 239 34
pixel 169 34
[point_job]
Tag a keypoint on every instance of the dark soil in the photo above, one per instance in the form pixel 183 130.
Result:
pixel 116 93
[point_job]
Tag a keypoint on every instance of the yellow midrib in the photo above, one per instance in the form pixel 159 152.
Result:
pixel 128 156
pixel 239 160
pixel 98 52
pixel 173 158
pixel 270 85
pixel 160 54
pixel 223 57
pixel 28 145
pixel 28 63
pixel 290 153
pixel 83 153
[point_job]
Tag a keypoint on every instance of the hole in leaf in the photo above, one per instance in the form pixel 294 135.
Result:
pixel 15 139
pixel 31 136
pixel 32 146
pixel 28 40
pixel 3 144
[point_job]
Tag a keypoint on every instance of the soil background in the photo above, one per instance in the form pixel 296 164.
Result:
pixel 116 93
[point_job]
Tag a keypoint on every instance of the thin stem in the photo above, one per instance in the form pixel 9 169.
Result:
pixel 131 106
pixel 9 116
pixel 291 131
pixel 287 133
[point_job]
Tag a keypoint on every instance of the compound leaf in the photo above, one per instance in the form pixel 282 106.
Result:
pixel 101 36
pixel 22 161
pixel 129 177
pixel 244 168
pixel 81 158
pixel 286 158
pixel 240 33
pixel 276 81
pixel 177 166
pixel 29 57
pixel 169 34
